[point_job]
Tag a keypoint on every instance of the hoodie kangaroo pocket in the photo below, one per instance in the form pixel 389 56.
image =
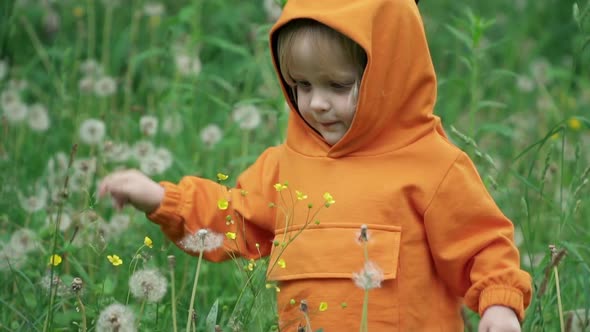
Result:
pixel 333 251
pixel 322 265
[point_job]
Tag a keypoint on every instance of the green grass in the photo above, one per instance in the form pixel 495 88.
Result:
pixel 514 92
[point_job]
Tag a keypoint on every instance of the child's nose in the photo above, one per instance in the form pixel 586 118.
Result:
pixel 319 101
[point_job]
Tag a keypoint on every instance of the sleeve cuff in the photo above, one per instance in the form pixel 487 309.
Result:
pixel 502 295
pixel 169 209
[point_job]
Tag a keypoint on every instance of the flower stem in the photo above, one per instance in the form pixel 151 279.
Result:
pixel 559 305
pixel 192 304
pixel 83 311
pixel 173 298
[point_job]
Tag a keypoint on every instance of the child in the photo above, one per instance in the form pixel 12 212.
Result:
pixel 361 86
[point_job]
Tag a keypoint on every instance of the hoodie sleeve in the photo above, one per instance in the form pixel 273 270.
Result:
pixel 192 204
pixel 472 244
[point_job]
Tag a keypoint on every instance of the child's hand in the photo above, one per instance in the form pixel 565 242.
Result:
pixel 132 187
pixel 499 318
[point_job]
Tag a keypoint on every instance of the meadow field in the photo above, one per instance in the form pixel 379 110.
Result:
pixel 186 87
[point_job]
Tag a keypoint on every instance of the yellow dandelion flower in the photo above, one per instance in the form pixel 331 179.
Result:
pixel 574 123
pixel 222 177
pixel 329 199
pixel 223 204
pixel 148 242
pixel 230 235
pixel 115 260
pixel 282 263
pixel 323 306
pixel 55 260
pixel 300 196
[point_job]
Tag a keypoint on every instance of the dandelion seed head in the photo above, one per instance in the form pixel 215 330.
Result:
pixel 116 318
pixel 92 131
pixel 119 222
pixel 64 223
pixel 143 149
pixel 86 84
pixel 90 67
pixel 211 135
pixel 35 202
pixel 38 118
pixel 247 117
pixel 153 9
pixel 51 22
pixel 148 284
pixel 85 166
pixel 58 285
pixel 11 258
pixel 148 125
pixel 172 124
pixel 202 240
pixel 16 112
pixel 9 97
pixel 105 86
pixel 116 151
pixel 369 277
pixel 152 165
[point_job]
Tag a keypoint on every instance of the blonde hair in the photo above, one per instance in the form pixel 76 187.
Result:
pixel 323 39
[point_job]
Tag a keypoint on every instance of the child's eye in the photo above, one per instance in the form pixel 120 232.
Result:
pixel 341 86
pixel 302 84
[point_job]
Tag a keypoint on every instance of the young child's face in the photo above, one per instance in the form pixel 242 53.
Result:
pixel 325 96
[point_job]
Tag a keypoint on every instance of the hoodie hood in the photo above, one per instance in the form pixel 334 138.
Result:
pixel 398 89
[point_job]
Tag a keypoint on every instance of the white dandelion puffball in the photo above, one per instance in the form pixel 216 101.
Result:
pixel 92 131
pixel 211 135
pixel 39 118
pixel 148 284
pixel 202 240
pixel 148 125
pixel 16 112
pixel 116 318
pixel 105 86
pixel 153 9
pixel 247 117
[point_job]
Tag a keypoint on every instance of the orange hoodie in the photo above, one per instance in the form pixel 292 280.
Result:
pixel 434 230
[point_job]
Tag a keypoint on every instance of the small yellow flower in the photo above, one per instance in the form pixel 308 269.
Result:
pixel 282 263
pixel 230 235
pixel 78 11
pixel 300 196
pixel 154 21
pixel 115 260
pixel 280 186
pixel 323 306
pixel 329 199
pixel 223 204
pixel 148 242
pixel 222 177
pixel 574 123
pixel 55 260
pixel 269 286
